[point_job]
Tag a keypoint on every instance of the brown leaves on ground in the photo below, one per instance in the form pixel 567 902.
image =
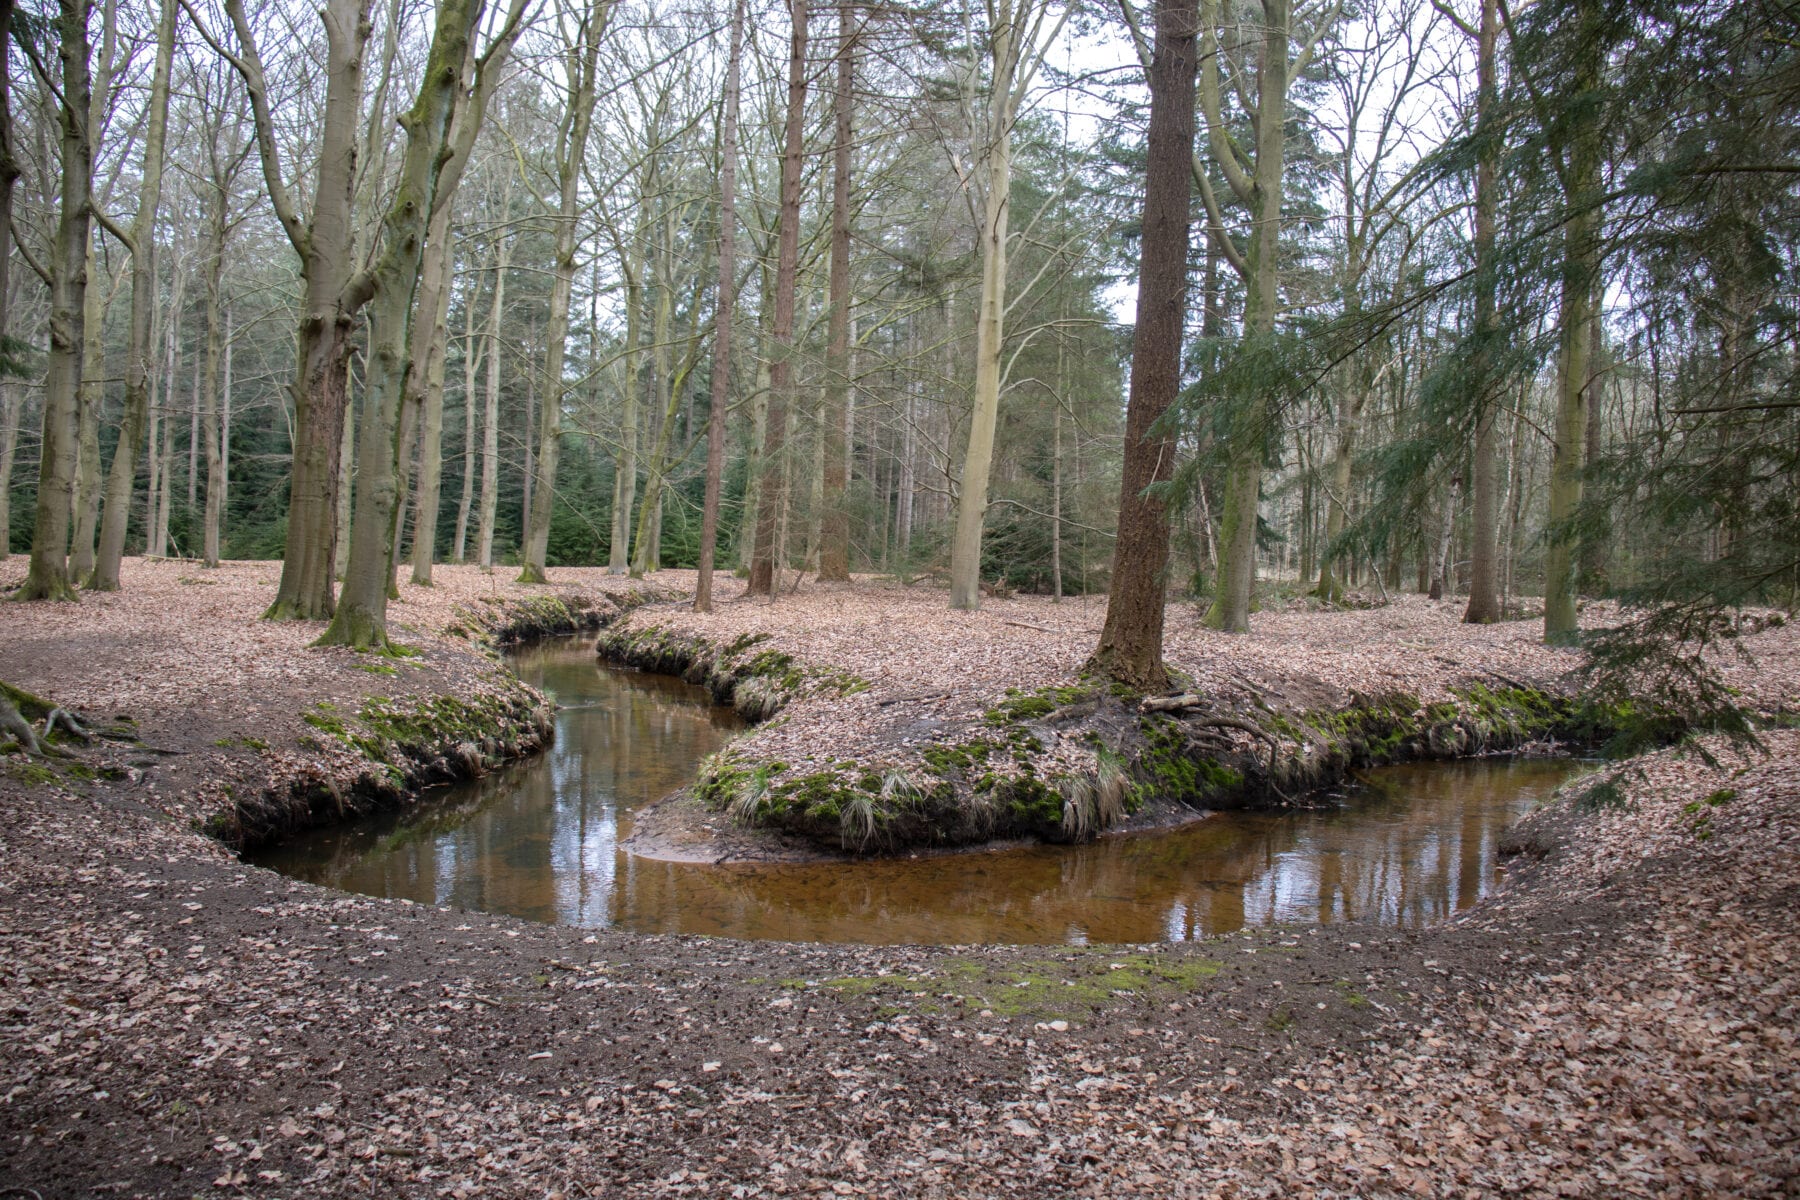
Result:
pixel 1619 1021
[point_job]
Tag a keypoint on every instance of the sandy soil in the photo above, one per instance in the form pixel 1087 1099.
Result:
pixel 1620 1020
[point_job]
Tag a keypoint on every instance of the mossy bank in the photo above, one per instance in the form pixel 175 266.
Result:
pixel 1061 763
pixel 357 754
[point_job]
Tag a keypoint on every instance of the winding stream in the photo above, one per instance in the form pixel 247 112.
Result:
pixel 1408 845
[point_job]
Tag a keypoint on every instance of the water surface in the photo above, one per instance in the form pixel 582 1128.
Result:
pixel 1406 845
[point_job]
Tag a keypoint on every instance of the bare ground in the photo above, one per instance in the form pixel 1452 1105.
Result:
pixel 1620 1020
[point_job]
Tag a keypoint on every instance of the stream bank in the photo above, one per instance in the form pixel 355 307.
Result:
pixel 1053 761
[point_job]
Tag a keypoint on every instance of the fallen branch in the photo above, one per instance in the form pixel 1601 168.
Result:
pixel 910 699
pixel 1171 704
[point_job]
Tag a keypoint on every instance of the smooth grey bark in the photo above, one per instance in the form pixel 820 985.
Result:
pixel 722 314
pixel 332 294
pixel 139 351
pixel 580 66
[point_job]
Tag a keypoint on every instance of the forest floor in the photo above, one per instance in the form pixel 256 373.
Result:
pixel 1619 1020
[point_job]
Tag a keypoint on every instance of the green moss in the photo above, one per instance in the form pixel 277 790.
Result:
pixel 375 668
pixel 324 718
pixel 955 760
pixel 1088 981
pixel 32 774
pixel 1020 706
pixel 1170 767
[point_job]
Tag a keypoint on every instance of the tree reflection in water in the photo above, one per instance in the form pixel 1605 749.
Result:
pixel 1408 845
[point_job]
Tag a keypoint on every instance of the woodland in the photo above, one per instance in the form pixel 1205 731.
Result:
pixel 1221 300
pixel 1037 419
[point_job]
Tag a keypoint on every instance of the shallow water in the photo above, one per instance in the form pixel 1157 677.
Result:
pixel 1405 846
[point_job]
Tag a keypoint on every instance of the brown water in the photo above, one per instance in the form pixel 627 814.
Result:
pixel 1406 846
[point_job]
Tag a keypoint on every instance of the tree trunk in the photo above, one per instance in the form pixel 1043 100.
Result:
pixel 162 420
pixel 978 455
pixel 86 514
pixel 217 232
pixel 11 403
pixel 1579 309
pixel 1442 579
pixel 1484 477
pixel 1232 598
pixel 618 558
pixel 1343 458
pixel 324 243
pixel 721 362
pixel 1130 649
pixel 580 65
pixel 772 496
pixel 435 307
pixel 471 365
pixel 490 415
pixel 834 521
pixel 47 578
pixel 361 617
pixel 139 362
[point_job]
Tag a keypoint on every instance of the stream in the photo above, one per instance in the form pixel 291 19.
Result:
pixel 1405 845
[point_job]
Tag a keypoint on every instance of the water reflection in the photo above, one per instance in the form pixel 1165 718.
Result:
pixel 1408 845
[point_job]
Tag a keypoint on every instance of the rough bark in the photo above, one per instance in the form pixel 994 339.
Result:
pixel 722 313
pixel 1130 649
pixel 1484 476
pixel 772 494
pixel 47 578
pixel 834 521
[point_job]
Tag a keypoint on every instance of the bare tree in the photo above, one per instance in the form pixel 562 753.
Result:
pixel 361 616
pixel 721 363
pixel 771 497
pixel 47 578
pixel 1019 35
pixel 572 136
pixel 138 355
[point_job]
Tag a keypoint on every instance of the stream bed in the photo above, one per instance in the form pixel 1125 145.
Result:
pixel 1406 845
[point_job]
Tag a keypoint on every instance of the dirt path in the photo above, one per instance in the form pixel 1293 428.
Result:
pixel 1619 1021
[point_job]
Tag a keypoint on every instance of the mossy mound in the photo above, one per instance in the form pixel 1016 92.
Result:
pixel 403 745
pixel 744 674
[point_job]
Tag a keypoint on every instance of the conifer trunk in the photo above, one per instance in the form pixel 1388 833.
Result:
pixel 1130 649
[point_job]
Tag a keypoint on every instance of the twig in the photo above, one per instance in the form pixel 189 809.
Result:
pixel 909 699
pixel 1029 625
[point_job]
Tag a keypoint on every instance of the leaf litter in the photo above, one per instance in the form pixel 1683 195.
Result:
pixel 1619 1020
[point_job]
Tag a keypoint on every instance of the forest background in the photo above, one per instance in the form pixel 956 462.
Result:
pixel 1474 300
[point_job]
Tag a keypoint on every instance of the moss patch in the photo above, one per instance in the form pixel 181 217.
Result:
pixel 1075 986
